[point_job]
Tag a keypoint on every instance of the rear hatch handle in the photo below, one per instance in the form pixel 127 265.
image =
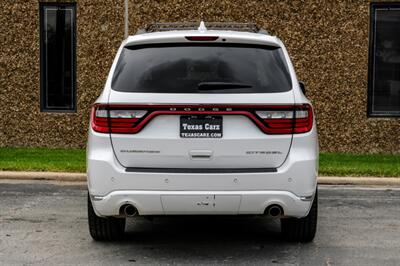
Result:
pixel 200 154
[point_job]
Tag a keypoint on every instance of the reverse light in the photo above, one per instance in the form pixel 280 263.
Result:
pixel 127 113
pixel 120 113
pixel 275 114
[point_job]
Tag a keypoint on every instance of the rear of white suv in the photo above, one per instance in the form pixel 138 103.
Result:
pixel 202 122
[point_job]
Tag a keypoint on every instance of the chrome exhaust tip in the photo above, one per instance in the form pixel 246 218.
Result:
pixel 129 210
pixel 274 211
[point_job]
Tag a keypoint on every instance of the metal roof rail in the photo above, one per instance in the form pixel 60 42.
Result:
pixel 141 31
pixel 172 26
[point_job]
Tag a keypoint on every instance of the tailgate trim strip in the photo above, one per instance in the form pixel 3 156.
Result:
pixel 200 170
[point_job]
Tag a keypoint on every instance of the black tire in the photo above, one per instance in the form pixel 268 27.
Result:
pixel 301 229
pixel 104 228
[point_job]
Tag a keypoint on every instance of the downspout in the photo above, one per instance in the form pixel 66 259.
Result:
pixel 126 30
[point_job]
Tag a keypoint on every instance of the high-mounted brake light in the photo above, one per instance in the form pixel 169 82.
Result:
pixel 201 38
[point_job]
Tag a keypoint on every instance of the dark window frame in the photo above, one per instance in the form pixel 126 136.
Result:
pixel 43 95
pixel 371 60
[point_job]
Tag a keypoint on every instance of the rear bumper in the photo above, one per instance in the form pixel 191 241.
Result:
pixel 201 202
pixel 160 192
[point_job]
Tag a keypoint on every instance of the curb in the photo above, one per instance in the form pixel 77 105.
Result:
pixel 360 181
pixel 54 176
pixel 81 177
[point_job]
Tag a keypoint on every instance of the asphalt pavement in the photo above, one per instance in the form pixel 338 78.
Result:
pixel 43 223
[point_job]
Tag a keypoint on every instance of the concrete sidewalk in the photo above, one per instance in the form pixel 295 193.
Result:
pixel 81 177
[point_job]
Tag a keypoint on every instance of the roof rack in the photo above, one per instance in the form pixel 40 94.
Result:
pixel 234 26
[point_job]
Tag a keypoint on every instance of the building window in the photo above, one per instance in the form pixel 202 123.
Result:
pixel 57 57
pixel 384 60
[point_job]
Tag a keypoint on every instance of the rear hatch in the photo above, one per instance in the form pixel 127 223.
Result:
pixel 196 105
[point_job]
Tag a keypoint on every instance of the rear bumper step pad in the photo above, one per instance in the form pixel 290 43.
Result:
pixel 200 170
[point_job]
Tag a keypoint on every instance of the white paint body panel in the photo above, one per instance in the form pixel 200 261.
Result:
pixel 240 136
pixel 155 193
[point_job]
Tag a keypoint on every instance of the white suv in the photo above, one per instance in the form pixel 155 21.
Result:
pixel 207 120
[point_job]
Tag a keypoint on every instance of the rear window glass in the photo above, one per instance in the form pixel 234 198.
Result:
pixel 201 68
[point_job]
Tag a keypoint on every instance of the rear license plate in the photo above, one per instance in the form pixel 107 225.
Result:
pixel 201 127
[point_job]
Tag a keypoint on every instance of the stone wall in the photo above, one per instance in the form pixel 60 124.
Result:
pixel 327 40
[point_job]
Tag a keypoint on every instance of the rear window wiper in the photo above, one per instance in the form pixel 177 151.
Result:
pixel 222 85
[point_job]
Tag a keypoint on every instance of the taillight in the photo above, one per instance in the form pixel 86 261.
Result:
pixel 287 119
pixel 271 119
pixel 108 119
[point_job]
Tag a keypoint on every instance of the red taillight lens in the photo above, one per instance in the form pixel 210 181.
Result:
pixel 201 38
pixel 107 119
pixel 271 119
pixel 303 119
pixel 287 120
